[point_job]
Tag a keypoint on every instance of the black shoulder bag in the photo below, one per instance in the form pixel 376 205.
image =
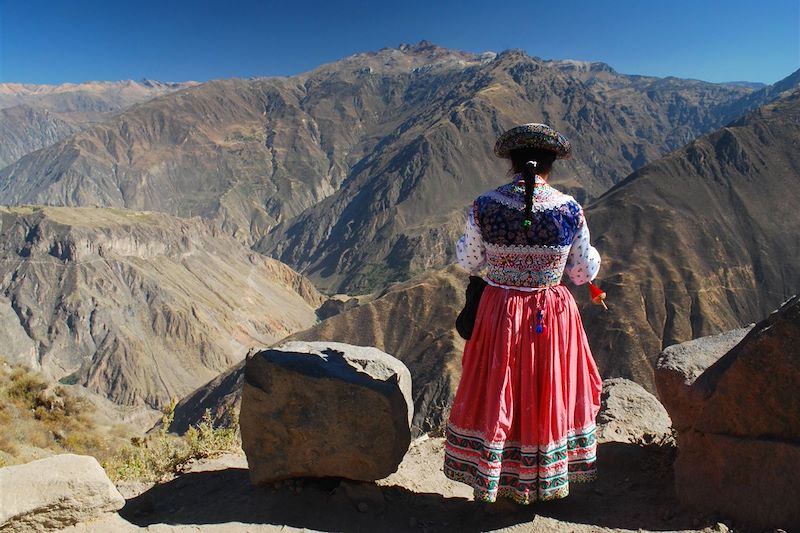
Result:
pixel 466 318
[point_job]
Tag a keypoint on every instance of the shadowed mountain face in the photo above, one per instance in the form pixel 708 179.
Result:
pixel 762 96
pixel 702 241
pixel 138 307
pixel 35 116
pixel 358 172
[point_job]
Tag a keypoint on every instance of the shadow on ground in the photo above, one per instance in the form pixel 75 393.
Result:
pixel 634 491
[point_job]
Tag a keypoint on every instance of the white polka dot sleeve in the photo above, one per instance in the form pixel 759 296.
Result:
pixel 583 262
pixel 470 251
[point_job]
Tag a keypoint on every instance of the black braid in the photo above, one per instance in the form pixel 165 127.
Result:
pixel 530 181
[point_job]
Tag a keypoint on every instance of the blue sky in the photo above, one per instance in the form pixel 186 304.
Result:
pixel 55 41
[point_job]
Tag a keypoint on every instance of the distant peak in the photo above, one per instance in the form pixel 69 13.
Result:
pixel 584 66
pixel 422 46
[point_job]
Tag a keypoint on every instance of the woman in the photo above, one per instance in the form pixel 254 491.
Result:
pixel 522 424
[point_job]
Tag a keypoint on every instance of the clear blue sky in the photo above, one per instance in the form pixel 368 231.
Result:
pixel 56 41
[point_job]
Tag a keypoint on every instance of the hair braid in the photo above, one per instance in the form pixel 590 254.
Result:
pixel 529 174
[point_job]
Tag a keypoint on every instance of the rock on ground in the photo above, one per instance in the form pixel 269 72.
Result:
pixel 739 438
pixel 54 493
pixel 320 409
pixel 679 366
pixel 631 414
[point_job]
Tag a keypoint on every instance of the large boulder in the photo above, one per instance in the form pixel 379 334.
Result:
pixel 55 492
pixel 739 438
pixel 628 413
pixel 681 364
pixel 320 409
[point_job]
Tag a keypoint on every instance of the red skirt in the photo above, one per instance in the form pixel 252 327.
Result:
pixel 522 424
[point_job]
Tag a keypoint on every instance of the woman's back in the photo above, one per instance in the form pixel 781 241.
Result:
pixel 535 255
pixel 522 424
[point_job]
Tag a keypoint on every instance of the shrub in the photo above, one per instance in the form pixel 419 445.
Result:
pixel 52 418
pixel 25 387
pixel 159 456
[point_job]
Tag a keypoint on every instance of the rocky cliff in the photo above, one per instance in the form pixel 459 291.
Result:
pixel 138 307
pixel 737 416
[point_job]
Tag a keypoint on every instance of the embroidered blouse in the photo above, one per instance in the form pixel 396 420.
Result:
pixel 556 242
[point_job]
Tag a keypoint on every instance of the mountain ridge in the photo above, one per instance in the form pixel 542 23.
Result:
pixel 35 116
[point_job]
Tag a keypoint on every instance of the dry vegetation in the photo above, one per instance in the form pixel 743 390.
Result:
pixel 161 455
pixel 41 419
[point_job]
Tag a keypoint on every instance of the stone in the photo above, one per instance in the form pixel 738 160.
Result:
pixel 678 367
pixel 739 448
pixel 325 409
pixel 629 413
pixel 55 492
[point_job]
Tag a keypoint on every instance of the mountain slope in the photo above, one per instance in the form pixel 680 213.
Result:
pixel 138 307
pixel 35 116
pixel 702 241
pixel 24 129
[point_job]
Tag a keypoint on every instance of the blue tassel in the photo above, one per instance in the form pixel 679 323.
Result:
pixel 539 319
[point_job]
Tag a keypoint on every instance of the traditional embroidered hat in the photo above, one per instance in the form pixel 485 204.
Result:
pixel 532 136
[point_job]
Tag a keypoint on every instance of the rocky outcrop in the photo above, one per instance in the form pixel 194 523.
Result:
pixel 415 322
pixel 739 433
pixel 53 493
pixel 628 413
pixel 323 409
pixel 681 364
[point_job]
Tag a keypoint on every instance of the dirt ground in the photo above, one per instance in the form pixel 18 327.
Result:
pixel 634 492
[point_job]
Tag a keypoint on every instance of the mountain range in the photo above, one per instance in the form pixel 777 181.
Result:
pixel 699 242
pixel 357 173
pixel 703 240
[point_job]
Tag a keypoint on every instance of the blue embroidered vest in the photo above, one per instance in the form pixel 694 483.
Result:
pixel 527 257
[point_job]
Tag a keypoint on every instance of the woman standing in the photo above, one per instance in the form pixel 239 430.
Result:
pixel 522 424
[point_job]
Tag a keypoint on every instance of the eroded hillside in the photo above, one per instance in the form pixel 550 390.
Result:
pixel 138 307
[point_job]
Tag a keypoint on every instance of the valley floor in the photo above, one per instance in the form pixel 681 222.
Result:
pixel 634 492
